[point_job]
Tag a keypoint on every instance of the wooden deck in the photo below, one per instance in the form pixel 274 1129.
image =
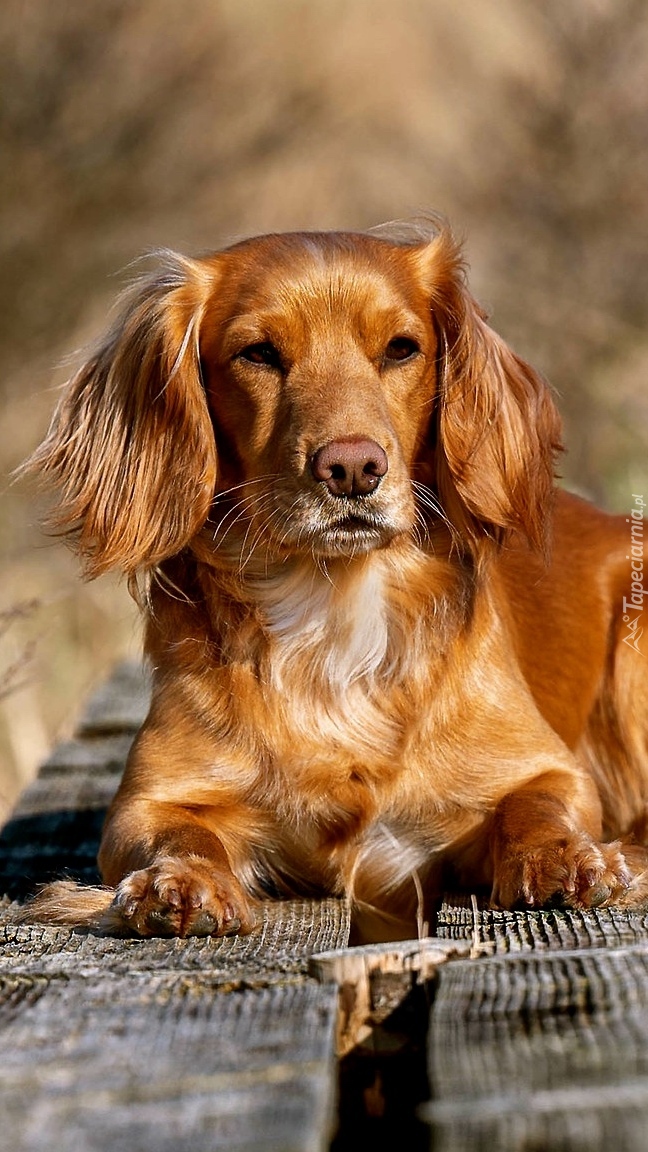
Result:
pixel 509 1031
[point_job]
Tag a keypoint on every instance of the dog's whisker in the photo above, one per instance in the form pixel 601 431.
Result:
pixel 261 530
pixel 430 501
pixel 225 492
pixel 242 508
pixel 320 563
pixel 286 519
pixel 419 528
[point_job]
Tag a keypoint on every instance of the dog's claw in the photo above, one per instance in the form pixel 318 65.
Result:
pixel 579 873
pixel 179 897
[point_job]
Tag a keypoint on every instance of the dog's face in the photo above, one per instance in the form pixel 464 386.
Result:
pixel 314 393
pixel 319 360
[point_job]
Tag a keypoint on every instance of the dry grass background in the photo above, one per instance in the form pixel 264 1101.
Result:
pixel 126 126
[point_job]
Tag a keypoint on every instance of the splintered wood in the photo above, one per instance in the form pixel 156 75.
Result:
pixel 373 980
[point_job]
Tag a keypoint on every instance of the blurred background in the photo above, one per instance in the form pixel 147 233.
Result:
pixel 128 126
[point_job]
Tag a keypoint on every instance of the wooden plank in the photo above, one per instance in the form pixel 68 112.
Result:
pixel 47 845
pixel 155 1044
pixel 544 1051
pixel 289 933
pixel 168 1062
pixel 56 825
pixel 523 931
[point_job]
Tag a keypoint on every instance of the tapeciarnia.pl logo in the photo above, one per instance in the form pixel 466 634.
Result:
pixel 634 604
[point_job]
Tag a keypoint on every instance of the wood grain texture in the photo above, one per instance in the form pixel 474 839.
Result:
pixel 55 828
pixel 279 948
pixel 524 931
pixel 166 1062
pixel 374 980
pixel 170 1044
pixel 542 1051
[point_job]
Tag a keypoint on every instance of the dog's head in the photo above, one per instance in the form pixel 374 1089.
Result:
pixel 308 392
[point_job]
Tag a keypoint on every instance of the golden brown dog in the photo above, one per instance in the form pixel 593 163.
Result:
pixel 386 652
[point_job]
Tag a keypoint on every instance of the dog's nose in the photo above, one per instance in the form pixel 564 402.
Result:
pixel 352 467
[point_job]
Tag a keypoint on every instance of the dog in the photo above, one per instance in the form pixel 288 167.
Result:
pixel 388 653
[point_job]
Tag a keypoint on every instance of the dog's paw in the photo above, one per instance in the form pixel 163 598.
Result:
pixel 575 872
pixel 182 896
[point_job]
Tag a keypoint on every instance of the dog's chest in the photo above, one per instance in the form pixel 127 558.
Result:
pixel 329 676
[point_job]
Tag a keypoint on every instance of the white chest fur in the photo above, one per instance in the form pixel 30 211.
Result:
pixel 337 617
pixel 331 651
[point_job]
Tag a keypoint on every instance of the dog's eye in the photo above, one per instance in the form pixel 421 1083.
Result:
pixel 262 353
pixel 401 348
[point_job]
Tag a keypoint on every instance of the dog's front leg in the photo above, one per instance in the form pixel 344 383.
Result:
pixel 546 845
pixel 171 873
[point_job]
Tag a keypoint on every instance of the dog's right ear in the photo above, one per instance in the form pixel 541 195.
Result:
pixel 131 443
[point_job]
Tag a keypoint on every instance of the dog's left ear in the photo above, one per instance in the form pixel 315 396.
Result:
pixel 496 430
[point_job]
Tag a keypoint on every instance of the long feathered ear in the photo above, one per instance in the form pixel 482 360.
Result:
pixel 496 430
pixel 131 444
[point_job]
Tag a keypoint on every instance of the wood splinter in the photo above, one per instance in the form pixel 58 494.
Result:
pixel 375 979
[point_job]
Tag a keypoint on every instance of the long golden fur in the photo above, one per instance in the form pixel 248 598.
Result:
pixel 387 654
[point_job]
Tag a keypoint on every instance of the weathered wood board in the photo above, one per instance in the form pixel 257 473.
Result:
pixel 544 1043
pixel 542 1052
pixel 169 1044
